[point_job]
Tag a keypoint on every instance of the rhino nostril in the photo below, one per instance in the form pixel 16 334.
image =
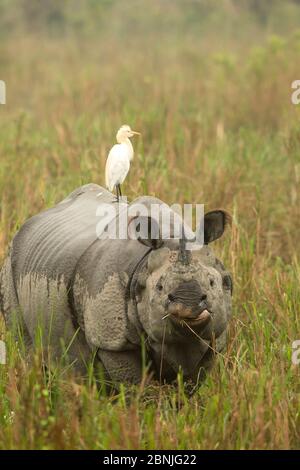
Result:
pixel 171 297
pixel 203 302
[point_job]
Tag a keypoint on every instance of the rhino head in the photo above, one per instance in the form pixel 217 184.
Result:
pixel 184 300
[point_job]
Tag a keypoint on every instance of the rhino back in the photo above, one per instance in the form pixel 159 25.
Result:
pixel 51 242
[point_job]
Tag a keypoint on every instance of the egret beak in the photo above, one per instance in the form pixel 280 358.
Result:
pixel 136 133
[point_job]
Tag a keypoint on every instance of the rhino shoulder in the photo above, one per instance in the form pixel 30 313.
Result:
pixel 102 315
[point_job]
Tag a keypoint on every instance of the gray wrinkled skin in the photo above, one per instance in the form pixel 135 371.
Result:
pixel 95 297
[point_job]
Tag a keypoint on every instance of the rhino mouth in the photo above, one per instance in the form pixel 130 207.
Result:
pixel 202 319
pixel 187 303
pixel 181 313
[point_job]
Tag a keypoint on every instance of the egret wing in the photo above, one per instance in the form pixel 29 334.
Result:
pixel 117 166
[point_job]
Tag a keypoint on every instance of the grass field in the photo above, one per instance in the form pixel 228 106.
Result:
pixel 208 83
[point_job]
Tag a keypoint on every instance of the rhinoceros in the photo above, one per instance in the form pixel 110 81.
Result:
pixel 116 301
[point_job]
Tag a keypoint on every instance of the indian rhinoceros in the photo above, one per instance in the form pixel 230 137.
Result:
pixel 116 300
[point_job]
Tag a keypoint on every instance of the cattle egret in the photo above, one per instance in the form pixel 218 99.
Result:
pixel 118 160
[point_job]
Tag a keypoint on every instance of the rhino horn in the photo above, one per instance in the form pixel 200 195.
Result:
pixel 184 255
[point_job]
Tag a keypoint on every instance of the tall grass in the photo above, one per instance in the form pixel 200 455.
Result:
pixel 208 84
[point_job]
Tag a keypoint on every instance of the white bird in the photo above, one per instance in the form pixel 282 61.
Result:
pixel 118 160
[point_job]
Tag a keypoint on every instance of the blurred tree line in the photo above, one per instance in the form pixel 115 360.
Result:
pixel 60 17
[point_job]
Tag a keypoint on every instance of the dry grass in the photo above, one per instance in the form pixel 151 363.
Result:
pixel 211 94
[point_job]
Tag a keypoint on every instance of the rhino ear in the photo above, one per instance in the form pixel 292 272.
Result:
pixel 157 258
pixel 215 223
pixel 145 230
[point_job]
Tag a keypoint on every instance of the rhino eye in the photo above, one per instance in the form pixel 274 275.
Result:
pixel 211 283
pixel 159 286
pixel 227 282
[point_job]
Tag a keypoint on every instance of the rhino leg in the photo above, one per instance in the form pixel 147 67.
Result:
pixel 48 319
pixel 125 366
pixel 9 305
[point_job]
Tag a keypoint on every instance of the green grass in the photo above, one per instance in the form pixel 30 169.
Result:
pixel 209 88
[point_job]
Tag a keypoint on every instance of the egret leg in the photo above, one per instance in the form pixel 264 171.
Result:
pixel 119 192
